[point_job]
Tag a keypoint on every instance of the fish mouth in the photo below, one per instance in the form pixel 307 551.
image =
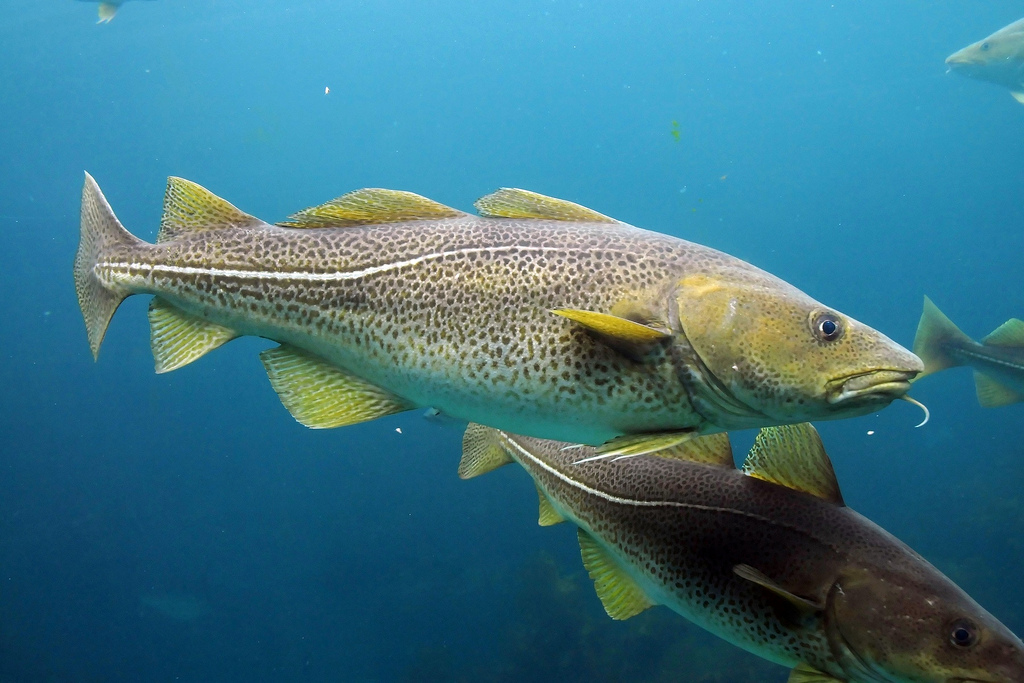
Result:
pixel 882 386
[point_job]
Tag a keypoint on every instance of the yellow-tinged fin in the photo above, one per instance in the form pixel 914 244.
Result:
pixel 710 449
pixel 745 571
pixel 793 456
pixel 620 329
pixel 321 395
pixel 510 202
pixel 804 673
pixel 100 231
pixel 107 10
pixel 630 445
pixel 993 394
pixel 482 451
pixel 190 208
pixel 936 334
pixel 370 206
pixel 619 593
pixel 1019 96
pixel 548 515
pixel 1010 333
pixel 178 338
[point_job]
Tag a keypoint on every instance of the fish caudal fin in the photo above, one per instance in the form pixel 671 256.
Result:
pixel 107 10
pixel 936 334
pixel 100 231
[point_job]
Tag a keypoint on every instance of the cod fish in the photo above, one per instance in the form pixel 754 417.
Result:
pixel 538 316
pixel 998 361
pixel 997 59
pixel 107 9
pixel 768 557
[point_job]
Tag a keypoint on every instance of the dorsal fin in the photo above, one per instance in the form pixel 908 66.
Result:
pixel 482 451
pixel 710 449
pixel 793 456
pixel 1010 333
pixel 190 208
pixel 510 202
pixel 370 206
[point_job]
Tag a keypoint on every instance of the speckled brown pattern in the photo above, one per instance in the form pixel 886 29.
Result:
pixel 682 527
pixel 455 313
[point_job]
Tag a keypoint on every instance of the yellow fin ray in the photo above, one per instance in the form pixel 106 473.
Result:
pixel 510 202
pixel 619 593
pixel 370 206
pixel 1010 333
pixel 481 451
pixel 710 449
pixel 935 335
pixel 793 456
pixel 177 338
pixel 619 329
pixel 994 394
pixel 548 515
pixel 803 673
pixel 748 573
pixel 190 208
pixel 630 445
pixel 320 395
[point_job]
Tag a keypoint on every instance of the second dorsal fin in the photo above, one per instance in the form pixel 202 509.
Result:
pixel 511 202
pixel 190 208
pixel 793 456
pixel 710 449
pixel 370 206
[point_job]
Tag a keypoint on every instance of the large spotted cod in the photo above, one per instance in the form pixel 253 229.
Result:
pixel 538 316
pixel 767 557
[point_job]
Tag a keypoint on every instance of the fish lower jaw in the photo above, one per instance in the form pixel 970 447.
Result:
pixel 881 386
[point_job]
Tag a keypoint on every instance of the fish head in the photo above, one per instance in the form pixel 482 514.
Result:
pixel 764 353
pixel 999 58
pixel 914 624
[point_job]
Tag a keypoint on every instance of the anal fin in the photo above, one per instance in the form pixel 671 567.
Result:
pixel 619 593
pixel 803 673
pixel 178 338
pixel 321 395
pixel 993 394
pixel 548 515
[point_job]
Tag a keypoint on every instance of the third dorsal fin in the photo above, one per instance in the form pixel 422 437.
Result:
pixel 710 449
pixel 510 202
pixel 793 456
pixel 190 207
pixel 370 206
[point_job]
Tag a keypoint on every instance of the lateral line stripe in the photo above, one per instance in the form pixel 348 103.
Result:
pixel 989 359
pixel 158 268
pixel 623 501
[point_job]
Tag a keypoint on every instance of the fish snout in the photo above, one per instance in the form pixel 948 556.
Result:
pixel 880 385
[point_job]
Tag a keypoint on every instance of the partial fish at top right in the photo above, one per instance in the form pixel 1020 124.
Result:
pixel 998 59
pixel 997 361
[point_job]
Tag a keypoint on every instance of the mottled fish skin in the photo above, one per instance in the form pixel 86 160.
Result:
pixel 682 528
pixel 455 313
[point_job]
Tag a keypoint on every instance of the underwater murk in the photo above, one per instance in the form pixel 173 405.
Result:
pixel 184 526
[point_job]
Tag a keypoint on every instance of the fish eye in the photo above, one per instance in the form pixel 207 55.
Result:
pixel 963 633
pixel 827 327
pixel 984 46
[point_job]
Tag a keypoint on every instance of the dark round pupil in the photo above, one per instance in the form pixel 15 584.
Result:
pixel 961 635
pixel 828 328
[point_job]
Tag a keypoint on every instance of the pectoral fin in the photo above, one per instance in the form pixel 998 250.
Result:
pixel 630 445
pixel 178 338
pixel 803 673
pixel 619 593
pixel 321 395
pixel 614 327
pixel 745 571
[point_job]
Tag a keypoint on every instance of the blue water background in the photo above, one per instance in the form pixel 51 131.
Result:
pixel 184 527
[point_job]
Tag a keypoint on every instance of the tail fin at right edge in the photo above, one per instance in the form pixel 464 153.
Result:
pixel 100 231
pixel 936 334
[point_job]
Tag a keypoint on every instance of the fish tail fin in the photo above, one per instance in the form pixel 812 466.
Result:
pixel 936 334
pixel 107 10
pixel 100 231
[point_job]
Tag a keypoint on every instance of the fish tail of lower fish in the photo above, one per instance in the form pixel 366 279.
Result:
pixel 936 337
pixel 101 231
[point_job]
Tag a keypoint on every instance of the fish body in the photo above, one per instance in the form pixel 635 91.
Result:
pixel 540 317
pixel 998 59
pixel 768 558
pixel 997 361
pixel 107 9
